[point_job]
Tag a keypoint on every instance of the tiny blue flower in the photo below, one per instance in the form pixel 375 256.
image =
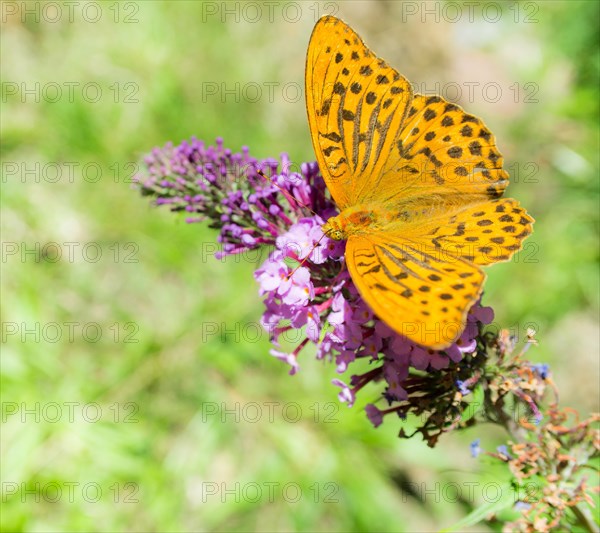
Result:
pixel 463 389
pixel 522 506
pixel 503 450
pixel 475 448
pixel 542 369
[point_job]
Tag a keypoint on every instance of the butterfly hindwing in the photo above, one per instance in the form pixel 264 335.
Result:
pixel 412 288
pixel 356 104
pixel 483 233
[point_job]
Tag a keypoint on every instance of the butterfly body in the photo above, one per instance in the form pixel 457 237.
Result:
pixel 419 185
pixel 356 220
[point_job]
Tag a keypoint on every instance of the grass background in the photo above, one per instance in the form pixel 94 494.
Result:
pixel 142 426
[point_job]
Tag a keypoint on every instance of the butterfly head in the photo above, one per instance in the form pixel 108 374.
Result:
pixel 353 220
pixel 333 228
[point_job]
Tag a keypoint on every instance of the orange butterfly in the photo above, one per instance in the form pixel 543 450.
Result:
pixel 418 183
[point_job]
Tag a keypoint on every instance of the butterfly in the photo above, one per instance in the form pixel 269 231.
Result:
pixel 418 183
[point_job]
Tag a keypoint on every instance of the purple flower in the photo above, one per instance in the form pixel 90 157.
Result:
pixel 395 375
pixel 308 317
pixel 347 394
pixel 374 415
pixel 341 312
pixel 271 274
pixel 419 357
pixel 371 347
pixel 325 348
pixel 343 359
pixel 290 359
pixel 297 289
pixel 298 242
pixel 485 315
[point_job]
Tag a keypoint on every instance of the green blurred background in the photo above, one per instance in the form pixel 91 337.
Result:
pixel 120 355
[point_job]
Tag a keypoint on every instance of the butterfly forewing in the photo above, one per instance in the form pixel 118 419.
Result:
pixel 356 104
pixel 443 151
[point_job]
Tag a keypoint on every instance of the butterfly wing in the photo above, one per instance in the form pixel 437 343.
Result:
pixel 421 278
pixel 482 233
pixel 356 105
pixel 441 151
pixel 416 292
pixel 375 142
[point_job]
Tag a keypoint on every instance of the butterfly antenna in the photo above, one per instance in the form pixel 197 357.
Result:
pixel 304 260
pixel 288 196
pixel 291 199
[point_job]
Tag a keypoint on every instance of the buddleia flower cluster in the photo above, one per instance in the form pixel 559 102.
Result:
pixel 304 281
